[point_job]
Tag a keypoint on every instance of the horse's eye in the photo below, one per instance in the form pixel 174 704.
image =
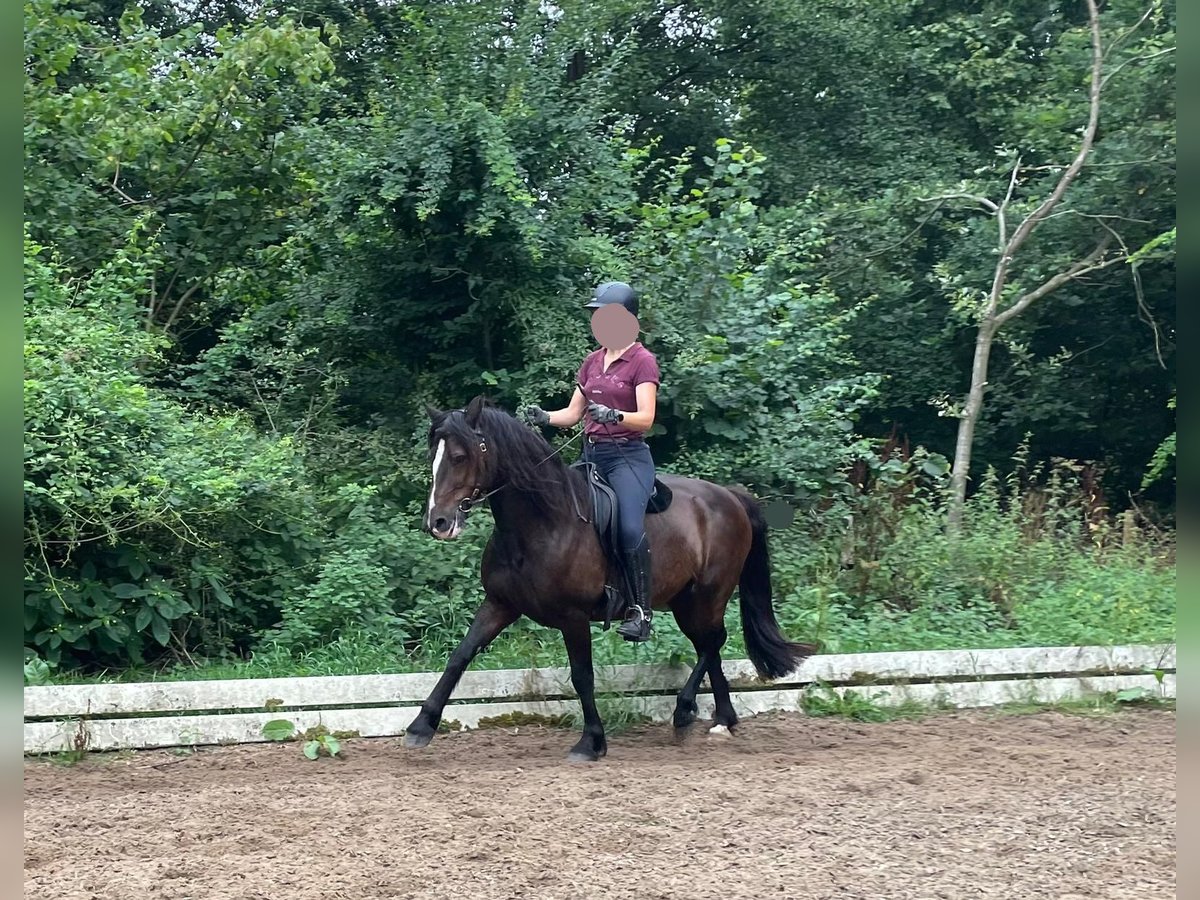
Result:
pixel 459 458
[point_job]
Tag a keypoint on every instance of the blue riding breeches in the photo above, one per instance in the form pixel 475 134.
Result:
pixel 629 469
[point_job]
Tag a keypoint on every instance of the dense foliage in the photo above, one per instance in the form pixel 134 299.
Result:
pixel 260 237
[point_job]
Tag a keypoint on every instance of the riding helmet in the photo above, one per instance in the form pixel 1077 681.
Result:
pixel 614 292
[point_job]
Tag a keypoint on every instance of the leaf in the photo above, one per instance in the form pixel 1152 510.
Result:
pixel 161 630
pixel 142 619
pixel 171 607
pixel 126 590
pixel 331 744
pixel 37 671
pixel 278 730
pixel 934 467
pixel 219 592
pixel 312 748
pixel 1133 695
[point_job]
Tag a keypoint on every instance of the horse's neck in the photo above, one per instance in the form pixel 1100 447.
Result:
pixel 521 520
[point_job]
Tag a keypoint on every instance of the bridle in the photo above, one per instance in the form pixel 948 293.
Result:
pixel 477 495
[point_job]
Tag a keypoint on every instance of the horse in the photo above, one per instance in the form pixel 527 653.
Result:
pixel 544 560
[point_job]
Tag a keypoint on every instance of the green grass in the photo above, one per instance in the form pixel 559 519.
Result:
pixel 1004 583
pixel 1090 611
pixel 821 701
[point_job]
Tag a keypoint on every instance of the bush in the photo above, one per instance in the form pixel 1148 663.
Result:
pixel 143 520
pixel 1035 564
pixel 158 532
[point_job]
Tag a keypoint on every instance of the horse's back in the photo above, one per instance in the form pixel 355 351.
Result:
pixel 703 513
pixel 682 486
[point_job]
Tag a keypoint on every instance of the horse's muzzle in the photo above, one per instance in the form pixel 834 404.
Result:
pixel 446 529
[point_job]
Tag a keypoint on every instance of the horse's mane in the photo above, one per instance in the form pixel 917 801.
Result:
pixel 524 460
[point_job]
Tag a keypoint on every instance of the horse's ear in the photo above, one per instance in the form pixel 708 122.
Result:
pixel 474 411
pixel 433 412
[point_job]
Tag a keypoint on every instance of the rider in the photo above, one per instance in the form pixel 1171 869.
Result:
pixel 617 385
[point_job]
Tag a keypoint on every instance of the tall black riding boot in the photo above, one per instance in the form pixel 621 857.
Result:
pixel 636 626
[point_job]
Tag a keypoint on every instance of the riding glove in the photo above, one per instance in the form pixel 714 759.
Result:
pixel 535 415
pixel 604 414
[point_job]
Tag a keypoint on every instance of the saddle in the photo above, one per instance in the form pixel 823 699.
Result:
pixel 604 520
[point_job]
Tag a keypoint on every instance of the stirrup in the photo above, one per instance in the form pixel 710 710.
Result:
pixel 636 626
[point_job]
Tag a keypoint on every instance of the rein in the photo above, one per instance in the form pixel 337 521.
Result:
pixel 477 496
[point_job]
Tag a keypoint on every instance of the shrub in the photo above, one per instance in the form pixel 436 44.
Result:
pixel 143 520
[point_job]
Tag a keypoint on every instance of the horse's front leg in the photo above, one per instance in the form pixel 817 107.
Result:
pixel 578 638
pixel 491 618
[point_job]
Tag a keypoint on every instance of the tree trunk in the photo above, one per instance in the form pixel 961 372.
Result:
pixel 967 423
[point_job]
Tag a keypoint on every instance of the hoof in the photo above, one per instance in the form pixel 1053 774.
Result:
pixel 416 740
pixel 719 731
pixel 578 756
pixel 684 715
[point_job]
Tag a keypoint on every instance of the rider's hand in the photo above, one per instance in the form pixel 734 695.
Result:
pixel 604 414
pixel 535 415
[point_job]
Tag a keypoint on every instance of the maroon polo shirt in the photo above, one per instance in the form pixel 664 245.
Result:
pixel 616 388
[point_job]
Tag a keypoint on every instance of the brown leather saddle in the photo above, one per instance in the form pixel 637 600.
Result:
pixel 603 505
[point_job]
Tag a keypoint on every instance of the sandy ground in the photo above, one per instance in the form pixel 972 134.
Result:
pixel 959 806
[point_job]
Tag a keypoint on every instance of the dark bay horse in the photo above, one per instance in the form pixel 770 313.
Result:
pixel 544 562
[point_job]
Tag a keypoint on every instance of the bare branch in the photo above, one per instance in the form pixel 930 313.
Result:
pixel 183 299
pixel 984 201
pixel 1085 147
pixel 1144 313
pixel 124 196
pixel 1153 160
pixel 266 409
pixel 1139 294
pixel 1099 217
pixel 1003 224
pixel 900 243
pixel 1140 22
pixel 1089 263
pixel 1135 59
pixel 1114 234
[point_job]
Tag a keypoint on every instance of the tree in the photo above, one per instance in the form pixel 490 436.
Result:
pixel 1005 300
pixel 192 127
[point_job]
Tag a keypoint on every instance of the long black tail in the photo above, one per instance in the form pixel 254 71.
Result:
pixel 772 654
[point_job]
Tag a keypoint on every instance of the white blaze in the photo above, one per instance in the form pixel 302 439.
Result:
pixel 437 464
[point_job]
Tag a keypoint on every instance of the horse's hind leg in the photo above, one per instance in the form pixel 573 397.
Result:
pixel 701 618
pixel 723 712
pixel 685 704
pixel 700 633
